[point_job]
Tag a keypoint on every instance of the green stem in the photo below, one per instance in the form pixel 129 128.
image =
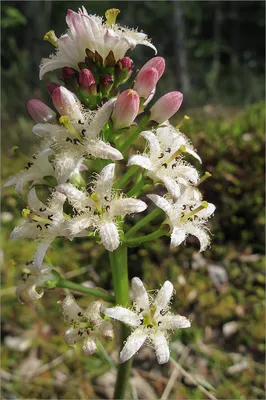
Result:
pixel 131 139
pixel 97 292
pixel 147 238
pixel 144 221
pixel 125 178
pixel 118 260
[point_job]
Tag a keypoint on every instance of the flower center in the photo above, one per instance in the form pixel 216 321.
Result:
pixel 192 213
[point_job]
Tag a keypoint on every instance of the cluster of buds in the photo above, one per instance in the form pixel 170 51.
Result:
pixel 93 126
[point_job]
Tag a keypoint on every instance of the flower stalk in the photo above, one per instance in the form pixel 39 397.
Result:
pixel 118 260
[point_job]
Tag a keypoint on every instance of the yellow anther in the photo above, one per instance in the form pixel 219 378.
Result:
pixel 51 37
pixel 186 117
pixel 111 15
pixel 205 176
pixel 25 213
pixel 204 204
pixel 94 197
pixel 65 121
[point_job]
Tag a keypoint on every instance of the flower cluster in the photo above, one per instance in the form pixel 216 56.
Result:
pixel 93 127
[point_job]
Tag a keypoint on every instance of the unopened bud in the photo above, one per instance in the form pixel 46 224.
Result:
pixel 156 62
pixel 66 104
pixel 126 109
pixel 166 107
pixel 68 73
pixel 51 86
pixel 40 112
pixel 123 70
pixel 87 81
pixel 146 82
pixel 106 83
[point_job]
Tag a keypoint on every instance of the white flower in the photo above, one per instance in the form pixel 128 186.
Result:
pixel 86 325
pixel 77 137
pixel 150 320
pixel 90 33
pixel 100 209
pixel 36 169
pixel 163 162
pixel 187 216
pixel 42 222
pixel 32 279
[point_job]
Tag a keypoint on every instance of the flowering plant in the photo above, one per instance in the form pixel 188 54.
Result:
pixel 96 125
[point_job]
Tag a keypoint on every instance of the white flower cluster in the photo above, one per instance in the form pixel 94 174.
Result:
pixel 93 127
pixel 150 319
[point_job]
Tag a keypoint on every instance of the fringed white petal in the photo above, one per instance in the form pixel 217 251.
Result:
pixel 103 186
pixel 174 322
pixel 71 309
pixel 161 202
pixel 41 250
pixel 140 295
pixel 207 212
pixel 109 235
pixel 161 347
pixel 124 315
pixel 76 225
pixel 33 201
pixel 163 297
pixel 154 143
pixel 133 344
pixel 103 150
pixel 106 329
pixel 172 187
pixel 100 119
pixel 72 336
pixel 127 206
pixel 77 198
pixel 142 161
pixel 178 236
pixel 200 233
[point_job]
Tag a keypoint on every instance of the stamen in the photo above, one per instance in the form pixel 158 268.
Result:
pixel 51 37
pixel 205 176
pixel 182 149
pixel 27 214
pixel 111 15
pixel 186 118
pixel 65 121
pixel 186 217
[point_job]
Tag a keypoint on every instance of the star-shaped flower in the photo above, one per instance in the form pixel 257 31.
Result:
pixel 30 285
pixel 42 222
pixel 186 216
pixel 36 169
pixel 100 209
pixel 163 161
pixel 85 325
pixel 78 135
pixel 150 320
pixel 89 33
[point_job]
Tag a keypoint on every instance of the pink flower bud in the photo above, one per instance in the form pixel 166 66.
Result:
pixel 126 109
pixel 68 73
pixel 166 107
pixel 66 103
pixel 51 87
pixel 146 82
pixel 86 79
pixel 156 62
pixel 39 111
pixel 125 62
pixel 106 82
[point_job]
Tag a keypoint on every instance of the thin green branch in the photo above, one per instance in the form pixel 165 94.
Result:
pixel 144 221
pixel 147 238
pixel 97 292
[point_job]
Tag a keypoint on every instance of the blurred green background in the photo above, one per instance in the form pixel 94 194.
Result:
pixel 214 53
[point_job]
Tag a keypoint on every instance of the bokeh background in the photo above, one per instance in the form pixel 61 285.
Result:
pixel 214 52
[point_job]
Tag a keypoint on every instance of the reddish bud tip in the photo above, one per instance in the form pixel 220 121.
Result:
pixel 86 79
pixel 68 73
pixel 156 62
pixel 125 62
pixel 51 87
